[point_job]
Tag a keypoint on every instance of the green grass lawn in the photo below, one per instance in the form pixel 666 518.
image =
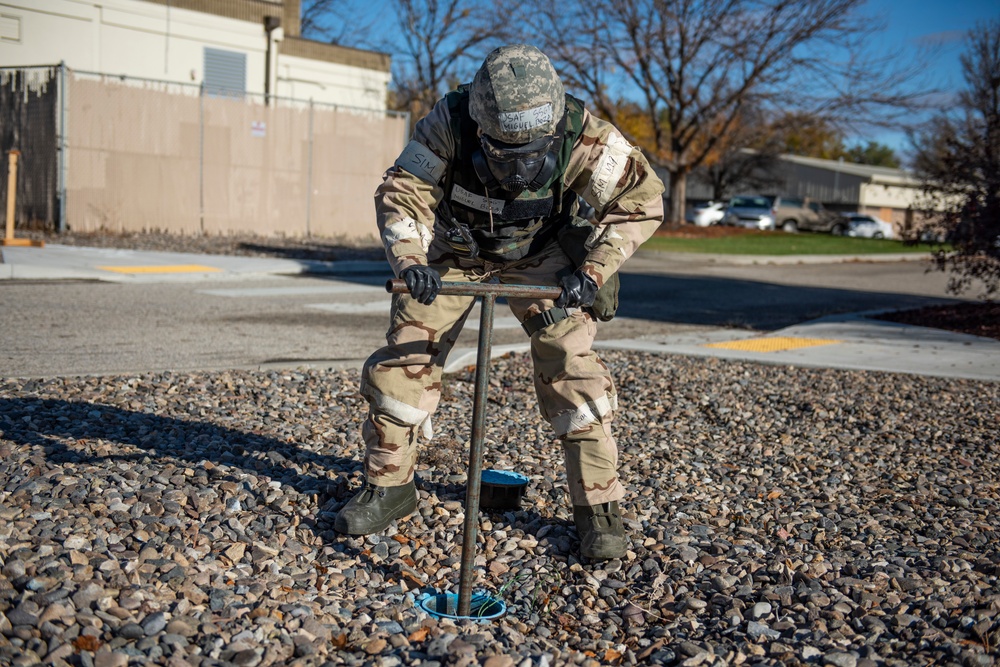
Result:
pixel 780 243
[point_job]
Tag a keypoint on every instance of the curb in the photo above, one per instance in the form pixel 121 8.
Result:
pixel 749 260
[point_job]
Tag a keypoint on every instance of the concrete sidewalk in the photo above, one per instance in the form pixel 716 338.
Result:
pixel 853 342
pixel 849 342
pixel 61 262
pixel 845 341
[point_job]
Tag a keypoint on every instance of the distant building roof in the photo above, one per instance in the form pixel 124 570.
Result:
pixel 288 13
pixel 872 173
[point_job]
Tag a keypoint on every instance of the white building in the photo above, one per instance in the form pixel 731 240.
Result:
pixel 891 194
pixel 240 46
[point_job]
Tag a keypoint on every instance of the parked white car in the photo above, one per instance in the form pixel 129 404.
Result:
pixel 867 226
pixel 708 214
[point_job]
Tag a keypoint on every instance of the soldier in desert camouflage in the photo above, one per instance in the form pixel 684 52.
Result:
pixel 487 189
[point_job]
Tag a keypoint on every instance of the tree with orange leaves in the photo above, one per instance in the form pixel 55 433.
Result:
pixel 694 66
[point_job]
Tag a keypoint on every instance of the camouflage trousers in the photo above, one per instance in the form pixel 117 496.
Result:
pixel 576 395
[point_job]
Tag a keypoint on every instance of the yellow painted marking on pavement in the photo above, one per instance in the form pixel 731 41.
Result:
pixel 772 344
pixel 177 268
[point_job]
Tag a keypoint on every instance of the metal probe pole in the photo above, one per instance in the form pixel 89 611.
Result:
pixel 489 292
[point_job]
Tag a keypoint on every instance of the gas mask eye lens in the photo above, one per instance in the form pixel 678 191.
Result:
pixel 498 151
pixel 514 168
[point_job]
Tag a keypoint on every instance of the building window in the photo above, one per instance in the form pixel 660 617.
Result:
pixel 10 28
pixel 225 72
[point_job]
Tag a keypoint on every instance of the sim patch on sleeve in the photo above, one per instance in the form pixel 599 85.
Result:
pixel 421 162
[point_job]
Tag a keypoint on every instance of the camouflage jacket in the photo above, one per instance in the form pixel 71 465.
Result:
pixel 611 175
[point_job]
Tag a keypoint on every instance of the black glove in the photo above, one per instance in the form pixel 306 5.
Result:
pixel 423 282
pixel 578 291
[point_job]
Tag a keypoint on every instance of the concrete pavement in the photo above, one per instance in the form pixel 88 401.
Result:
pixel 851 341
pixel 62 262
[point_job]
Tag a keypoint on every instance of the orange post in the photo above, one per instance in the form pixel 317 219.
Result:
pixel 12 202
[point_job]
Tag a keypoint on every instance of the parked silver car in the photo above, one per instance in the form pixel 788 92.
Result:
pixel 752 211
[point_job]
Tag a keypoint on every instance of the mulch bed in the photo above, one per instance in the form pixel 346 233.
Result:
pixel 977 319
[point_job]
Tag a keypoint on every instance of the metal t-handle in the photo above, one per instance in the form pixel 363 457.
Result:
pixel 489 293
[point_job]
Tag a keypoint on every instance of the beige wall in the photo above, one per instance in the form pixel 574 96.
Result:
pixel 890 195
pixel 159 41
pixel 159 157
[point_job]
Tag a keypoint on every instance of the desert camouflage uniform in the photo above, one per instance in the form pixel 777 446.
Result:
pixel 402 381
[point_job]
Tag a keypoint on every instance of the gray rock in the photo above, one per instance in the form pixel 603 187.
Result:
pixel 154 623
pixel 247 658
pixel 21 617
pixel 110 659
pixel 87 594
pixel 757 630
pixel 696 604
pixel 840 659
pixel 131 631
pixel 760 610
pixel 687 554
pixel 179 626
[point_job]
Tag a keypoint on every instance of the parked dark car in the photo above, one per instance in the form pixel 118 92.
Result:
pixel 753 211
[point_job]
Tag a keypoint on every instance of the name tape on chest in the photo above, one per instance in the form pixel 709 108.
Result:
pixel 460 195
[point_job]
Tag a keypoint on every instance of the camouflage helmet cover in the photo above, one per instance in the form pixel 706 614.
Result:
pixel 516 96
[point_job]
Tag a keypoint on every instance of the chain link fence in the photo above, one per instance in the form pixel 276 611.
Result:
pixel 29 105
pixel 122 154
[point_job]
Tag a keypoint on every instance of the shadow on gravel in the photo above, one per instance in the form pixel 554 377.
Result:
pixel 50 423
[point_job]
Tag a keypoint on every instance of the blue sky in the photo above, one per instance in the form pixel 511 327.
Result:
pixel 911 24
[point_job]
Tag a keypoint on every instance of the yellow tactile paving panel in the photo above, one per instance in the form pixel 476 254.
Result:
pixel 772 344
pixel 177 268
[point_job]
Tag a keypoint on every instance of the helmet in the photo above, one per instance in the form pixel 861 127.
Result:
pixel 516 96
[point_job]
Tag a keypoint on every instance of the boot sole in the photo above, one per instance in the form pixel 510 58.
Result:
pixel 605 555
pixel 605 549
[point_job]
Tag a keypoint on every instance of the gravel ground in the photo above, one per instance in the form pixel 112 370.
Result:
pixel 778 516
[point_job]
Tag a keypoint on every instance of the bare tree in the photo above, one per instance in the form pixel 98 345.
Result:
pixel 695 65
pixel 440 44
pixel 332 21
pixel 748 161
pixel 958 159
pixel 740 170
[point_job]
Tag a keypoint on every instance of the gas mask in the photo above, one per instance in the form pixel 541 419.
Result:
pixel 510 169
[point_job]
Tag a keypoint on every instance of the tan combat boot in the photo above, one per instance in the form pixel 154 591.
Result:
pixel 602 535
pixel 371 510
